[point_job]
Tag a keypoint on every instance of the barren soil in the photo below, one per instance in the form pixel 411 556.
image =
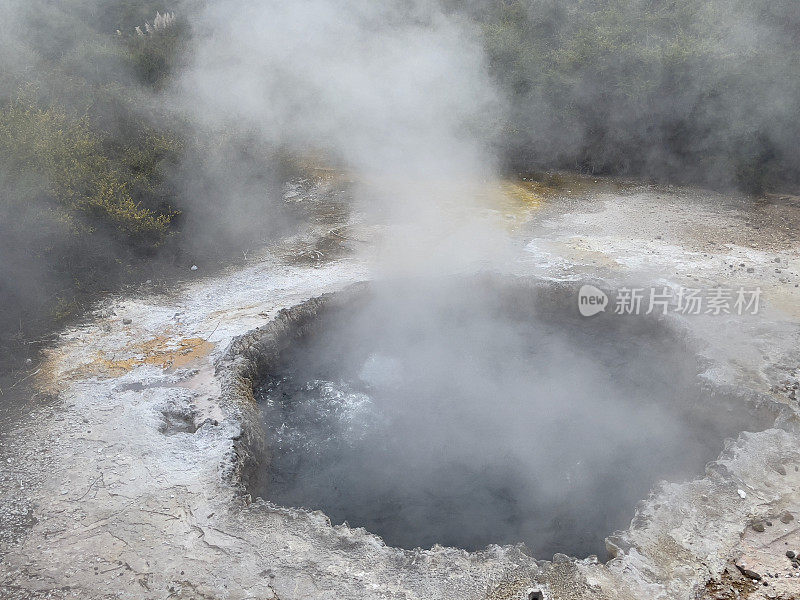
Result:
pixel 119 480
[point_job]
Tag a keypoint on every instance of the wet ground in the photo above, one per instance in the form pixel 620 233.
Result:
pixel 123 483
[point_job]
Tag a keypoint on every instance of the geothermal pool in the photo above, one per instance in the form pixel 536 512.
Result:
pixel 482 411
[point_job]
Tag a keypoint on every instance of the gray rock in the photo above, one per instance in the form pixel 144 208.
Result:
pixel 559 558
pixel 748 573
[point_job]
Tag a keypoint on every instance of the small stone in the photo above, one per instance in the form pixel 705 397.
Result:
pixel 194 268
pixel 790 554
pixel 786 517
pixel 759 526
pixel 780 469
pixel 769 523
pixel 777 260
pixel 559 558
pixel 127 321
pixel 749 574
pixel 751 270
pixel 742 494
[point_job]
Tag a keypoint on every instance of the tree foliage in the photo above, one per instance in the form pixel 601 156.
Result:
pixel 63 162
pixel 680 90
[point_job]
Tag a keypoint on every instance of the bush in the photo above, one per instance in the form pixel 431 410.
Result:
pixel 679 90
pixel 60 159
pixel 78 213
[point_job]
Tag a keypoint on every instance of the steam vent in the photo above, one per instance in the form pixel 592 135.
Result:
pixel 400 300
pixel 486 412
pixel 307 427
pixel 487 416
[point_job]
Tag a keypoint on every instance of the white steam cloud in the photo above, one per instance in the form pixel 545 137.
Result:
pixel 398 93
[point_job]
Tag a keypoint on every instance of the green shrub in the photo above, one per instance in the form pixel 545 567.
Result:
pixel 673 89
pixel 63 160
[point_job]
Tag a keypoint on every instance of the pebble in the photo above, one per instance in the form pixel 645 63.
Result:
pixel 127 321
pixel 789 554
pixel 749 574
pixel 742 494
pixel 194 267
pixel 758 526
pixel 786 517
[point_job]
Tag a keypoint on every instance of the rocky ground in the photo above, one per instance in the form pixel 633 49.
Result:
pixel 119 481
